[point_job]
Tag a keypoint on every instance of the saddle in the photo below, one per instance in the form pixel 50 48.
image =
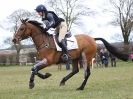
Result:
pixel 52 41
pixel 70 41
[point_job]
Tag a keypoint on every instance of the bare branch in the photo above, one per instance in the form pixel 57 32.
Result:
pixel 124 17
pixel 69 9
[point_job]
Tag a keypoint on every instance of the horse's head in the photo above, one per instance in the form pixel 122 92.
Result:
pixel 28 28
pixel 23 32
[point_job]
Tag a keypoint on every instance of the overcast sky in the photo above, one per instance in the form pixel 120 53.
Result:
pixel 7 7
pixel 96 24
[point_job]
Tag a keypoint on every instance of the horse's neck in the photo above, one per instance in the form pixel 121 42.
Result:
pixel 38 39
pixel 42 40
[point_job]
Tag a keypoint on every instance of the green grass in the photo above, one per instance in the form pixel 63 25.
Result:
pixel 104 83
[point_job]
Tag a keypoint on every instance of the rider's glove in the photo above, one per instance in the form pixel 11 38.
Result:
pixel 47 28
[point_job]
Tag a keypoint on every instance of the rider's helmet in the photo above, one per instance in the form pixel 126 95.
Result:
pixel 41 8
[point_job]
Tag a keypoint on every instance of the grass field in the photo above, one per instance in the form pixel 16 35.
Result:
pixel 104 83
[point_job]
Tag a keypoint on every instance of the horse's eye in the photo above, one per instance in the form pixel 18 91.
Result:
pixel 21 29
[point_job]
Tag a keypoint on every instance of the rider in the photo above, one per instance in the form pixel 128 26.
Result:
pixel 51 20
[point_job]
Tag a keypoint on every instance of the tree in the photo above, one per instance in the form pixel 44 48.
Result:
pixel 18 47
pixel 71 10
pixel 16 16
pixel 123 9
pixel 14 19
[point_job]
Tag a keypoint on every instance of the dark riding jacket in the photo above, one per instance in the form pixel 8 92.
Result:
pixel 51 20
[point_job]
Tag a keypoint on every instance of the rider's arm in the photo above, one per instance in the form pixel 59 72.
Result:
pixel 50 21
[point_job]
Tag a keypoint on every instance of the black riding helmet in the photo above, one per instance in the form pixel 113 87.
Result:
pixel 41 8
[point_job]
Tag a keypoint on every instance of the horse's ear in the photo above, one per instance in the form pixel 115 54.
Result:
pixel 24 20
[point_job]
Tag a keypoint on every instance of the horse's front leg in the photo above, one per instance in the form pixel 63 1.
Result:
pixel 34 71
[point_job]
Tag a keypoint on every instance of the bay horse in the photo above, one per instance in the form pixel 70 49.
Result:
pixel 48 54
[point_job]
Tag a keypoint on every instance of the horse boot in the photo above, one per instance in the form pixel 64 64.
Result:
pixel 66 57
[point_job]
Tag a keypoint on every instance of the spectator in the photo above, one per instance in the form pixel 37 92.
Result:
pixel 101 55
pixel 98 59
pixel 112 60
pixel 104 57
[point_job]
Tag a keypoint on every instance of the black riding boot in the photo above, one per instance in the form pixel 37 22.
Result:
pixel 66 56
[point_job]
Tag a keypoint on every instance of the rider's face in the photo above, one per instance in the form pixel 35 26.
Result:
pixel 40 13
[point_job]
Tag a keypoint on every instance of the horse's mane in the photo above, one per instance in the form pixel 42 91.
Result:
pixel 37 24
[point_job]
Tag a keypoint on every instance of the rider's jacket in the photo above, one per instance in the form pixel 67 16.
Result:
pixel 51 20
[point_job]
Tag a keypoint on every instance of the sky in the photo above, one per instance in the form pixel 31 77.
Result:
pixel 98 24
pixel 7 7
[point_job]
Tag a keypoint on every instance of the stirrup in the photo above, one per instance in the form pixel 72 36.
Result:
pixel 65 57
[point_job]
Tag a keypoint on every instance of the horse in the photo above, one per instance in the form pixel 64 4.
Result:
pixel 48 54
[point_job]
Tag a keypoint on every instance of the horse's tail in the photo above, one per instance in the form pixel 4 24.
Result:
pixel 113 50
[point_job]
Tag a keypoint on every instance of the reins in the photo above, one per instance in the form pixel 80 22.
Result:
pixel 45 40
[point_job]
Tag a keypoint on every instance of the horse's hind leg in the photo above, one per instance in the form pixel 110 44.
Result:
pixel 75 70
pixel 87 72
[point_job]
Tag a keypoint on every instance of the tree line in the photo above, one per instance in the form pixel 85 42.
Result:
pixel 72 11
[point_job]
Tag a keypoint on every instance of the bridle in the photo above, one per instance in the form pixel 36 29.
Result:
pixel 45 42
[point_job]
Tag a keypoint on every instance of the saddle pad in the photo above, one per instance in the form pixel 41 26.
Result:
pixel 71 43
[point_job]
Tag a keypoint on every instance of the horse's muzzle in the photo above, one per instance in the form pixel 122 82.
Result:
pixel 15 40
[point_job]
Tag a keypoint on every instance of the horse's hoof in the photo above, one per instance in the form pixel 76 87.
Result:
pixel 47 75
pixel 62 84
pixel 80 88
pixel 31 85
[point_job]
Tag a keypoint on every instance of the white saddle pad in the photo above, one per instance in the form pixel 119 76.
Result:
pixel 71 43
